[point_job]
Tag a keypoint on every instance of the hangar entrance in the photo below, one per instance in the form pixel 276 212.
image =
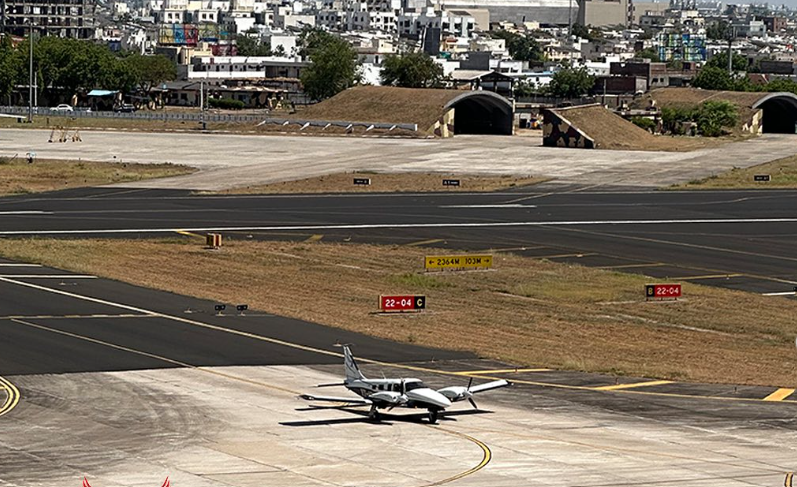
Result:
pixel 482 112
pixel 779 113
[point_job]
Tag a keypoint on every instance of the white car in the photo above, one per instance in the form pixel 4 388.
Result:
pixel 63 108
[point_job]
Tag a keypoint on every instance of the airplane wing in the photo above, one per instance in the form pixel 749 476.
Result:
pixel 348 400
pixel 488 386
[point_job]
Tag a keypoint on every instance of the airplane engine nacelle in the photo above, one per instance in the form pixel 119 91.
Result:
pixel 455 393
pixel 388 397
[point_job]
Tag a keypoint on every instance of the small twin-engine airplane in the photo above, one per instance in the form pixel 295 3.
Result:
pixel 409 393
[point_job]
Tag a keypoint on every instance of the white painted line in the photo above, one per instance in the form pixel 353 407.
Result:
pixel 516 205
pixel 19 265
pixel 49 276
pixel 26 212
pixel 784 293
pixel 367 226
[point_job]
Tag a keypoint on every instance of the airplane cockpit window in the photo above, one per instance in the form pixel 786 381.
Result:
pixel 414 385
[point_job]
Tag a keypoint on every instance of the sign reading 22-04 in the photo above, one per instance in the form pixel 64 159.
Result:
pixel 402 303
pixel 654 291
pixel 458 261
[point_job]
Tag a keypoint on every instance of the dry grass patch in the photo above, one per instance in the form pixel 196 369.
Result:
pixel 403 182
pixel 527 311
pixel 18 177
pixel 783 174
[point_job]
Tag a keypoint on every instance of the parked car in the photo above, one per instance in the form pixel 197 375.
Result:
pixel 63 107
pixel 125 107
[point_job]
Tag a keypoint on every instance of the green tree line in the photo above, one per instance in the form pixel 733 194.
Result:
pixel 69 65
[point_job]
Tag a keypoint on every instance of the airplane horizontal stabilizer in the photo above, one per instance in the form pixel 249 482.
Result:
pixel 348 400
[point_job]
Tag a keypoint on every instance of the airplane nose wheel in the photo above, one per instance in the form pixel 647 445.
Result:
pixel 432 416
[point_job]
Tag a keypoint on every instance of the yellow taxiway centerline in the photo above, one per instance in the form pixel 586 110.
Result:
pixel 12 396
pixel 618 387
pixel 500 371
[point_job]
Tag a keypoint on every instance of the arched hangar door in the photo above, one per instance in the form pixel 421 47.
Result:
pixel 482 112
pixel 779 113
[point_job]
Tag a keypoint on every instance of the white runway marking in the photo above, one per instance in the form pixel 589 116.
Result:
pixel 783 293
pixel 368 226
pixel 515 205
pixel 26 212
pixel 19 265
pixel 49 276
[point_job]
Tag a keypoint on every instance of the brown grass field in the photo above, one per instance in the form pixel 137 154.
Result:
pixel 19 177
pixel 525 311
pixel 383 182
pixel 783 174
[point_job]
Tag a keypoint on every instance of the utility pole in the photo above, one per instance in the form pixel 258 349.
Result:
pixel 730 49
pixel 30 73
pixel 570 21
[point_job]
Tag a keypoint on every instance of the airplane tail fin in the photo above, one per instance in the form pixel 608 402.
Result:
pixel 352 370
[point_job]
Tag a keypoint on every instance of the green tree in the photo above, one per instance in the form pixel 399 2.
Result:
pixel 415 70
pixel 711 78
pixel 673 117
pixel 718 30
pixel 644 123
pixel 781 84
pixel 520 47
pixel 146 72
pixel 571 82
pixel 313 38
pixel 10 64
pixel 247 45
pixel 582 31
pixel 714 115
pixel 333 68
pixel 721 61
pixel 648 53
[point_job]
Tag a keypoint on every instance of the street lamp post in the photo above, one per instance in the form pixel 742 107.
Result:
pixel 30 73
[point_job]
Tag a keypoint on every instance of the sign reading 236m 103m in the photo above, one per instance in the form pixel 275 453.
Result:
pixel 458 262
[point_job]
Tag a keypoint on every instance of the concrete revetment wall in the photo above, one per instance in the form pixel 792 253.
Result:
pixel 557 131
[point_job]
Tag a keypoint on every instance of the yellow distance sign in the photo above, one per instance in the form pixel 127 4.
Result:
pixel 458 262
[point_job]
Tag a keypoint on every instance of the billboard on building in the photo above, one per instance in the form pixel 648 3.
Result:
pixel 682 47
pixel 190 34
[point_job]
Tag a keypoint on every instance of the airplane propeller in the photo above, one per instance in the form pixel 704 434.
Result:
pixel 470 398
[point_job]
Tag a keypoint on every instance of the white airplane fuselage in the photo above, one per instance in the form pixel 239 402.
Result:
pixel 399 392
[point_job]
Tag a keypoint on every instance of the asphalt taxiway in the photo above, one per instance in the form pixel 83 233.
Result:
pixel 735 239
pixel 126 386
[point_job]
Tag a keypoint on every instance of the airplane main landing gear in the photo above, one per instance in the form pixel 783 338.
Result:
pixel 373 414
pixel 432 416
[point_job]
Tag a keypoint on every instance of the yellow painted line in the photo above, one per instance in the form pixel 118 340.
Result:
pixel 789 480
pixel 12 396
pixel 559 256
pixel 500 371
pixel 779 395
pixel 709 276
pixel 631 266
pixel 487 455
pixel 314 238
pixel 618 387
pixel 361 359
pixel 190 234
pixel 424 242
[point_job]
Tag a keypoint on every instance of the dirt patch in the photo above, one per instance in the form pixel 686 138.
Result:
pixel 782 172
pixel 611 131
pixel 17 176
pixel 526 311
pixel 387 183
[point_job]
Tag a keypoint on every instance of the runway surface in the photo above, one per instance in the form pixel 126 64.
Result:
pixel 735 239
